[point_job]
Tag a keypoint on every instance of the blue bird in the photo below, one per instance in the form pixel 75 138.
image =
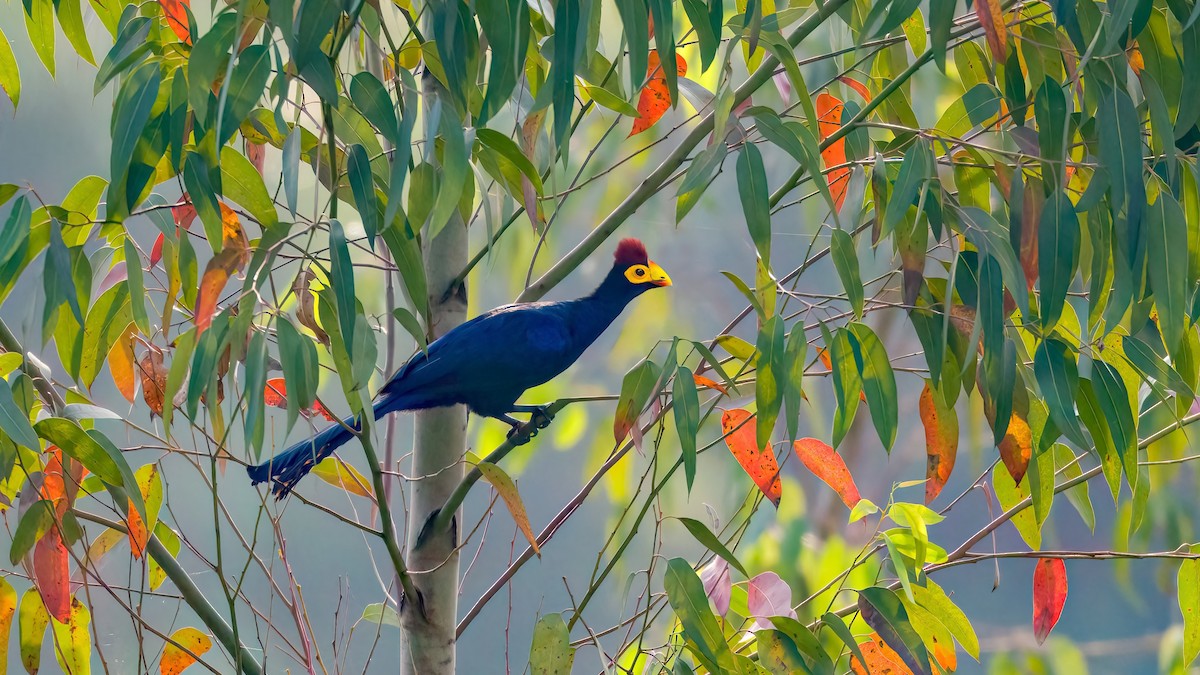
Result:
pixel 487 362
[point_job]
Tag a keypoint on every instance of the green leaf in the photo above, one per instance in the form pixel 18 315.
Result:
pixel 506 25
pixel 200 190
pixel 686 408
pixel 1058 377
pixel 455 171
pixel 882 610
pixel 1189 606
pixel 58 276
pixel 70 17
pixel 636 389
pixel 363 187
pixel 992 238
pixel 10 75
pixel 381 614
pixel 412 325
pixel 607 99
pixel 778 654
pixel 1113 400
pixel 256 382
pixel 1097 425
pixel 106 321
pixel 551 652
pixel 752 188
pixel 244 88
pixel 795 355
pixel 847 381
pixel 78 444
pixel 131 111
pixel 662 11
pixel 1052 110
pixel 1119 130
pixel 562 69
pixel 15 422
pixel 290 169
pixel 137 287
pixel 35 523
pixel 839 627
pixel 916 169
pixel 184 346
pixel 372 100
pixel 686 595
pixel 772 368
pixel 406 254
pixel 878 381
pixel 816 658
pixel 242 184
pixel 710 541
pixel 1167 265
pixel 129 47
pixel 933 598
pixel 1058 255
pixel 708 32
pixel 16 230
pixel 635 21
pixel 298 356
pixel 845 259
pixel 39 23
pixel 508 149
pixel 342 281
pixel 1150 366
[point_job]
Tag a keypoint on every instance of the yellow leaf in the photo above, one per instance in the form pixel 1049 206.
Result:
pixel 176 660
pixel 121 363
pixel 73 646
pixel 512 499
pixel 31 623
pixel 8 609
pixel 334 471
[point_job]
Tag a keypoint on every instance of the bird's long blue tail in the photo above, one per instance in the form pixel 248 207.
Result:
pixel 288 467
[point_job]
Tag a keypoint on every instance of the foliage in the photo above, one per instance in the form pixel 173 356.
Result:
pixel 1038 240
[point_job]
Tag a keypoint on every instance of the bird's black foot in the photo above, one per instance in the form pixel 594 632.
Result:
pixel 541 417
pixel 520 434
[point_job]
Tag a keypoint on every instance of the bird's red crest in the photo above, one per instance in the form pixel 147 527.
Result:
pixel 631 252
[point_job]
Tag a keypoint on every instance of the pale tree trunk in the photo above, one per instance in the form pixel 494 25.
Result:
pixel 439 444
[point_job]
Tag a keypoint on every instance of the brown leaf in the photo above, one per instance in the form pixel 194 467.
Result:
pixel 941 441
pixel 758 463
pixel 154 379
pixel 257 154
pixel 121 363
pixel 1049 595
pixel 829 120
pixel 306 301
pixel 530 129
pixel 1016 448
pixel 991 19
pixel 828 465
pixel 655 97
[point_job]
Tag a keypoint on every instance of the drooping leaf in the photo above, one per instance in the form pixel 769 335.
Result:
pixel 551 651
pixel 710 541
pixel 829 116
pixel 1189 607
pixel 880 659
pixel 752 188
pixel 991 19
pixel 32 621
pixel 878 381
pixel 655 98
pixel 1016 448
pixel 758 463
pixel 8 610
pixel 882 610
pixel 10 75
pixel 72 638
pixel 1049 595
pixel 636 389
pixel 686 409
pixel 1167 265
pixel 941 440
pixel 336 472
pixel 507 490
pixel 175 660
pixel 845 259
pixel 1058 255
pixel 1058 377
pixel 685 593
pixel 768 387
pixel 828 465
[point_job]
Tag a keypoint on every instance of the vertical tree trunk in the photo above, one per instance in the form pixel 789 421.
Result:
pixel 440 442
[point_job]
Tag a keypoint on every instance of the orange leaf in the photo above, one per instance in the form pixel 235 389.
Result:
pixel 1016 447
pixel 8 609
pixel 154 379
pixel 275 393
pixel 759 463
pixel 150 486
pixel 829 120
pixel 175 660
pixel 1049 595
pixel 54 484
pixel 1136 62
pixel 655 97
pixel 828 465
pixel 233 256
pixel 881 659
pixel 941 441
pixel 120 363
pixel 702 381
pixel 991 19
pixel 51 574
pixel 858 87
pixel 138 535
pixel 177 19
pixel 512 499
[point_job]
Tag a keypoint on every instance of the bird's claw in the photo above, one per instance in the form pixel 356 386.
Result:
pixel 519 435
pixel 541 418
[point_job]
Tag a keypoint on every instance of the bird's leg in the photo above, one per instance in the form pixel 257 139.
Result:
pixel 516 435
pixel 539 415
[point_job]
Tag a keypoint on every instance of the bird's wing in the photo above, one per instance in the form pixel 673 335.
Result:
pixel 514 346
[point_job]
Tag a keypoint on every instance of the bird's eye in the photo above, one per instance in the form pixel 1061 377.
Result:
pixel 641 271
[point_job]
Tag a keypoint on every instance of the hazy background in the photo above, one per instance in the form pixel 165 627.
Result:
pixel 1116 613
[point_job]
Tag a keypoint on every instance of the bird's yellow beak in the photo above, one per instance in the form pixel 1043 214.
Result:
pixel 658 276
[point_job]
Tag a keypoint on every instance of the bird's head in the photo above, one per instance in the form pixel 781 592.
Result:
pixel 633 271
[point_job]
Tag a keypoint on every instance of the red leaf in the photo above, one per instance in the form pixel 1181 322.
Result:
pixel 156 251
pixel 991 19
pixel 1049 595
pixel 176 18
pixel 829 120
pixel 858 87
pixel 184 213
pixel 275 393
pixel 941 441
pixel 759 463
pixel 655 97
pixel 828 465
pixel 52 575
